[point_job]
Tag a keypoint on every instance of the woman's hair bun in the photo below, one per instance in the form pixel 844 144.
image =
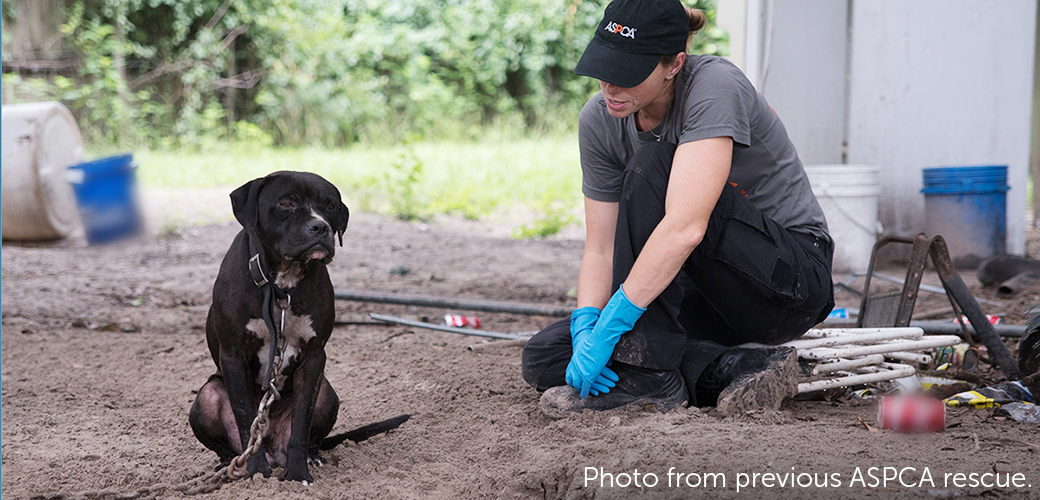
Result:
pixel 697 19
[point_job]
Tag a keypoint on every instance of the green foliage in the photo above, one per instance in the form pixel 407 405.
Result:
pixel 250 136
pixel 472 180
pixel 426 68
pixel 323 72
pixel 165 103
pixel 554 217
pixel 401 184
pixel 107 111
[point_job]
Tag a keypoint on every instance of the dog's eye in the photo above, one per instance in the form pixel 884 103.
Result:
pixel 331 206
pixel 287 204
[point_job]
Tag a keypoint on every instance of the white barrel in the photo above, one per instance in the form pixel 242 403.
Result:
pixel 40 140
pixel 848 195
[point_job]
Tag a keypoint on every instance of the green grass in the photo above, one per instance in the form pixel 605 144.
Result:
pixel 473 180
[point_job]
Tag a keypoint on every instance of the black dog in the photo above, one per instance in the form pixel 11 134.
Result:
pixel 273 279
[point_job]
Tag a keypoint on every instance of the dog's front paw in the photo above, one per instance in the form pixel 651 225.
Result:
pixel 258 464
pixel 298 473
pixel 315 461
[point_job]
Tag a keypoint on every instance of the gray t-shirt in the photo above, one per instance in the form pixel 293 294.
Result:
pixel 713 99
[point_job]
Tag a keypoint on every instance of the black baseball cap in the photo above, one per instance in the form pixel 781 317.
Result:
pixel 631 39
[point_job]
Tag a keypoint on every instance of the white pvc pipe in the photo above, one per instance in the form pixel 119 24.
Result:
pixel 858 338
pixel 837 336
pixel 899 371
pixel 909 357
pixel 857 351
pixel 817 333
pixel 884 367
pixel 845 364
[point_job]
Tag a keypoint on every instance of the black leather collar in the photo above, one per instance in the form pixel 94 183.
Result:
pixel 264 280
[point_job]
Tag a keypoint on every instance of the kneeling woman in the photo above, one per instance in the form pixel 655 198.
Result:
pixel 702 232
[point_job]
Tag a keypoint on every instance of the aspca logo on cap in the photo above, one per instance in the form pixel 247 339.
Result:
pixel 618 29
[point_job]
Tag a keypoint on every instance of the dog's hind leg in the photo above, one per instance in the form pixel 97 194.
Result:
pixel 326 408
pixel 213 422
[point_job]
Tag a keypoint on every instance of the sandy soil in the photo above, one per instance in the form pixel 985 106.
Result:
pixel 103 348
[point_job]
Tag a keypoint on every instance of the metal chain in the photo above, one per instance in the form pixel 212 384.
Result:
pixel 205 483
pixel 256 434
pixel 210 481
pixel 236 469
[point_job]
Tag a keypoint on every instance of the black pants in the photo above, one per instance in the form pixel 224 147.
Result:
pixel 749 280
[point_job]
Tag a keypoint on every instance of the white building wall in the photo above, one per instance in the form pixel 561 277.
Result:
pixel 803 73
pixel 901 84
pixel 731 15
pixel 1034 150
pixel 941 83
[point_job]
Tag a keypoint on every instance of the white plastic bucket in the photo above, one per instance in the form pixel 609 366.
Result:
pixel 848 195
pixel 39 141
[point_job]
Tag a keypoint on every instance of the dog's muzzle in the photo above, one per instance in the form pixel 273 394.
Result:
pixel 317 243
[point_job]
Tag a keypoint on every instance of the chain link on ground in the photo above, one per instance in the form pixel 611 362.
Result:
pixel 256 433
pixel 206 483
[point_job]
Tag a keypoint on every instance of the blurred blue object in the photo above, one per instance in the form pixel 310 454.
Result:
pixel 967 206
pixel 838 314
pixel 106 193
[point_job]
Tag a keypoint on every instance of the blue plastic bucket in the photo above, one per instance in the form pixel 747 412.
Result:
pixel 106 193
pixel 967 206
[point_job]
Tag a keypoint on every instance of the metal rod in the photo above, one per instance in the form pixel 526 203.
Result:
pixel 463 331
pixel 468 305
pixel 927 288
pixel 962 295
pixel 940 327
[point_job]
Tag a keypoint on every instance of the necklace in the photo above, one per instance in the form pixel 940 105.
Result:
pixel 657 137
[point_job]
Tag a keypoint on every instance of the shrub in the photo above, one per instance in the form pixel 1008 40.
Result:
pixel 322 72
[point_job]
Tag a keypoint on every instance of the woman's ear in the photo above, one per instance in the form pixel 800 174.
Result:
pixel 677 65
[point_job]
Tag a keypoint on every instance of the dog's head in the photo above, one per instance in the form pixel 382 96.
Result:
pixel 294 214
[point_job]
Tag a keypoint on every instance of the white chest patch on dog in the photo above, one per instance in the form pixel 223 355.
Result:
pixel 289 276
pixel 297 331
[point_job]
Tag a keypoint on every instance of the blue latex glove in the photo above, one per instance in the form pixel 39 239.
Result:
pixel 592 352
pixel 582 322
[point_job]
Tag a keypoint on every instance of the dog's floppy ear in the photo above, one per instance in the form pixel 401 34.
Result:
pixel 339 221
pixel 244 203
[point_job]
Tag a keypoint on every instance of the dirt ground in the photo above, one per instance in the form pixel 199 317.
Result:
pixel 103 348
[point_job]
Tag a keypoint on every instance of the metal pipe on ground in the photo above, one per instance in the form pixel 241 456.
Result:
pixel 944 328
pixel 451 329
pixel 847 286
pixel 468 305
